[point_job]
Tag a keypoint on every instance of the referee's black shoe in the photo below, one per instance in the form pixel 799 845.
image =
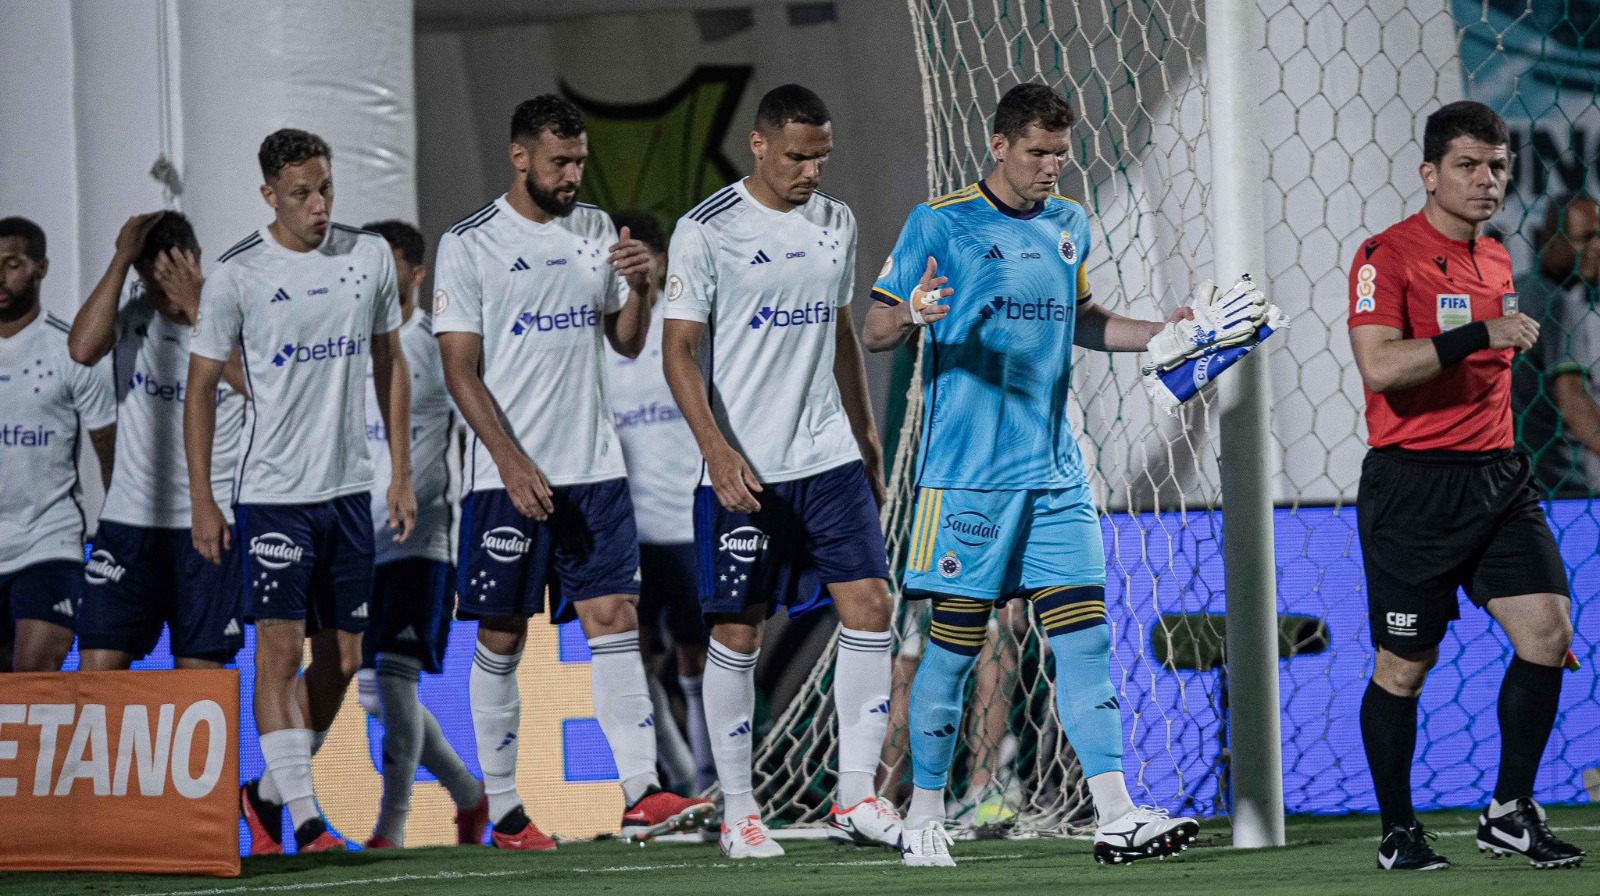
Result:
pixel 1406 848
pixel 1524 831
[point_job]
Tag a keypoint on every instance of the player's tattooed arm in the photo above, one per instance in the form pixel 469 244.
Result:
pixel 391 379
pixel 850 372
pixel 209 528
pixel 525 483
pixel 104 441
pixel 732 478
pixel 94 329
pixel 633 261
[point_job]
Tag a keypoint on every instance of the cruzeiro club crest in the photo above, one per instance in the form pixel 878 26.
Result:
pixel 949 565
pixel 1069 251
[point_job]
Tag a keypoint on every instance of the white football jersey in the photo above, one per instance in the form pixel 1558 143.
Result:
pixel 538 294
pixel 150 365
pixel 431 418
pixel 305 321
pixel 663 459
pixel 48 405
pixel 770 285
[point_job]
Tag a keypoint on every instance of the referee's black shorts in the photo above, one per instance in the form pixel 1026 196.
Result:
pixel 1435 521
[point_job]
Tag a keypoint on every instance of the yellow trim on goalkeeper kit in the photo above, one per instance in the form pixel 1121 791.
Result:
pixel 965 194
pixel 884 292
pixel 924 528
pixel 1071 613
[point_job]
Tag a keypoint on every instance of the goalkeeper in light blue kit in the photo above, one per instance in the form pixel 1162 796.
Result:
pixel 1003 504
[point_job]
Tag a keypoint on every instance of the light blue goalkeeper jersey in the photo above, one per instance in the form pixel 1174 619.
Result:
pixel 997 368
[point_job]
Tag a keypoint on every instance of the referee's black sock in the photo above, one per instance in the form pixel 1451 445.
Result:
pixel 1389 734
pixel 1529 696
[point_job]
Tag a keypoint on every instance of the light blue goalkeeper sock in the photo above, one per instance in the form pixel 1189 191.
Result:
pixel 1086 703
pixel 935 714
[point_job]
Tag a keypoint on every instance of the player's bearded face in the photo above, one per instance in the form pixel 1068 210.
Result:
pixel 1031 165
pixel 555 172
pixel 19 280
pixel 790 159
pixel 302 196
pixel 1469 182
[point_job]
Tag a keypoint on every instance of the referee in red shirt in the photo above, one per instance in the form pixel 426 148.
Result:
pixel 1445 503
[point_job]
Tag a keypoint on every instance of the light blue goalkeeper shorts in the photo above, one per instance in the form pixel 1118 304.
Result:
pixel 995 545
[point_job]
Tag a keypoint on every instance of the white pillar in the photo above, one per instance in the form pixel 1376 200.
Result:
pixel 1235 35
pixel 340 70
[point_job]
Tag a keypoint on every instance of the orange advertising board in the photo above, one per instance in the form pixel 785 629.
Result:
pixel 152 756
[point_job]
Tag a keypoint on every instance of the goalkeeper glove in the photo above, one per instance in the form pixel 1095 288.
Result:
pixel 1220 321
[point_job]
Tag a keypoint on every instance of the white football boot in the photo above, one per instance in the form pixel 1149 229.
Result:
pixel 927 847
pixel 749 838
pixel 1144 833
pixel 871 822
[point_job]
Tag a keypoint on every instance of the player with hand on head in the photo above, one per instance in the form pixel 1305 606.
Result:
pixel 529 291
pixel 788 503
pixel 1444 502
pixel 992 279
pixel 413 586
pixel 663 467
pixel 145 571
pixel 48 399
pixel 305 301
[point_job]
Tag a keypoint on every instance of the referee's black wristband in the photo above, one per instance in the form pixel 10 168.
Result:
pixel 1455 345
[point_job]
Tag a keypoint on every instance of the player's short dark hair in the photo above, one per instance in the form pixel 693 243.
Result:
pixel 546 112
pixel 290 146
pixel 642 226
pixel 1031 104
pixel 31 233
pixel 1464 118
pixel 401 236
pixel 171 231
pixel 790 104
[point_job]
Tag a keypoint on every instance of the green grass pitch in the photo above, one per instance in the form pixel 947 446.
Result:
pixel 1325 856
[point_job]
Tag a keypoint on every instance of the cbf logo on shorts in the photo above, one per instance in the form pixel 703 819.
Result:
pixel 506 544
pixel 1454 311
pixel 1402 624
pixel 274 550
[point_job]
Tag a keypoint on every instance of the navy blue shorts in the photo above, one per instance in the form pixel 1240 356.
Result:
pixel 48 591
pixel 669 592
pixel 587 548
pixel 411 603
pixel 139 579
pixel 309 561
pixel 809 532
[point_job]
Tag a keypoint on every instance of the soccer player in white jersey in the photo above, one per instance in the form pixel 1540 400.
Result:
pixel 47 401
pixel 1004 509
pixel 307 302
pixel 786 510
pixel 528 291
pixel 414 588
pixel 145 572
pixel 663 468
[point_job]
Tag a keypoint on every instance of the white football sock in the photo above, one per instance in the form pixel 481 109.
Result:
pixel 1110 793
pixel 926 805
pixel 861 700
pixel 402 742
pixel 440 758
pixel 496 720
pixel 622 704
pixel 730 692
pixel 672 751
pixel 288 756
pixel 694 704
pixel 367 692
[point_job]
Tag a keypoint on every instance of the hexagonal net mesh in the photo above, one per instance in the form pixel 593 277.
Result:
pixel 1348 86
